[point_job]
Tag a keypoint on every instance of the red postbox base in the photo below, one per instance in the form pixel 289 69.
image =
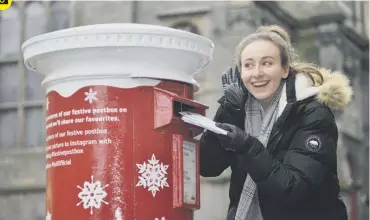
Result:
pixel 122 153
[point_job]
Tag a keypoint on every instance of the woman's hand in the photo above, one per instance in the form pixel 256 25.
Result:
pixel 232 102
pixel 235 140
pixel 233 92
pixel 229 76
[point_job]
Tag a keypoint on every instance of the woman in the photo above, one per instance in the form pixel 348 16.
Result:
pixel 282 136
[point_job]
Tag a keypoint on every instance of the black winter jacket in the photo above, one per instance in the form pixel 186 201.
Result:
pixel 296 174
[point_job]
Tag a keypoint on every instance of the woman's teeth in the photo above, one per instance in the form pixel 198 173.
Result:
pixel 260 84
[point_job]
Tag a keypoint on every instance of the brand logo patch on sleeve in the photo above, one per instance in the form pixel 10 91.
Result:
pixel 313 143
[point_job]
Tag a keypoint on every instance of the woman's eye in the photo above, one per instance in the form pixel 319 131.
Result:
pixel 267 63
pixel 247 65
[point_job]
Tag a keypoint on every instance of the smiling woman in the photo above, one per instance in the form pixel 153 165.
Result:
pixel 262 70
pixel 282 136
pixel 266 57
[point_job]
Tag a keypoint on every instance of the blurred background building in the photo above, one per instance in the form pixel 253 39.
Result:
pixel 332 34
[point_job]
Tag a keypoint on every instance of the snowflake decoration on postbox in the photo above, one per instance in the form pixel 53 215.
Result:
pixel 163 218
pixel 152 175
pixel 118 214
pixel 92 195
pixel 48 216
pixel 91 96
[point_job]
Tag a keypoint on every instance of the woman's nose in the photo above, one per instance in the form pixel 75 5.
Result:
pixel 257 71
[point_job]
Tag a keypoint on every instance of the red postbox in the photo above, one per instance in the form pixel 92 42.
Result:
pixel 116 146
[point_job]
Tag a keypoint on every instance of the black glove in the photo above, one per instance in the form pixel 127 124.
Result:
pixel 229 77
pixel 232 76
pixel 234 95
pixel 235 140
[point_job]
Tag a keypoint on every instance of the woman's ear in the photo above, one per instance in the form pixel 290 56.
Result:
pixel 286 73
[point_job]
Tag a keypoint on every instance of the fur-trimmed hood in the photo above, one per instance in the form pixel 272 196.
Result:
pixel 335 90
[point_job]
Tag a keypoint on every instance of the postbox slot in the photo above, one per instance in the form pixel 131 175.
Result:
pixel 180 107
pixel 167 107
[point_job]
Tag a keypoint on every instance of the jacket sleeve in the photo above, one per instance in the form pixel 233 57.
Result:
pixel 311 156
pixel 213 158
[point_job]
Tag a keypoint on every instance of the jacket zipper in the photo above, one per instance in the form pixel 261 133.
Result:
pixel 276 129
pixel 275 132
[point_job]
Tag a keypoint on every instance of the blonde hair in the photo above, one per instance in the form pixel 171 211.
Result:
pixel 289 58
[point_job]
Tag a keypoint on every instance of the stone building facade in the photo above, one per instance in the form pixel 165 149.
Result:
pixel 332 34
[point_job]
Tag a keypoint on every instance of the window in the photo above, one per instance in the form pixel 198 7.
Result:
pixel 10 26
pixel 35 16
pixel 21 94
pixel 59 15
pixel 35 24
pixel 9 75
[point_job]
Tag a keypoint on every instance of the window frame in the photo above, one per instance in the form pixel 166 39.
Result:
pixel 21 105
